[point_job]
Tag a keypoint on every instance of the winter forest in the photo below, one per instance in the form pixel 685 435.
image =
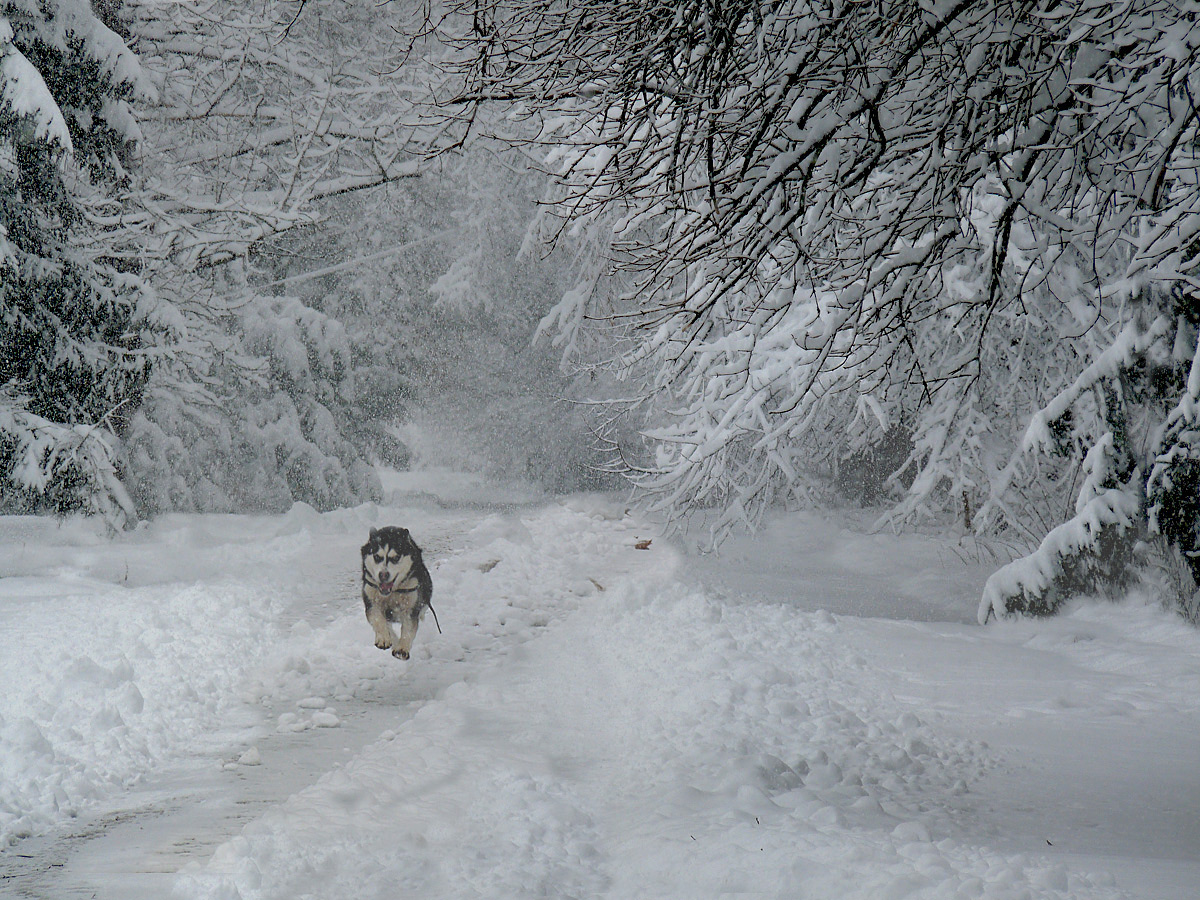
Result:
pixel 935 263
pixel 942 257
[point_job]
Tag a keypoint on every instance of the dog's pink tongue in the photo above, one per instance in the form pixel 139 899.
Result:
pixel 385 587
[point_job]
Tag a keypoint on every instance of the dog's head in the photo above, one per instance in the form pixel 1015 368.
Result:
pixel 388 557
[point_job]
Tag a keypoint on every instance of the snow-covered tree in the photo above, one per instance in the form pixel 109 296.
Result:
pixel 77 328
pixel 266 108
pixel 843 218
pixel 279 441
pixel 270 114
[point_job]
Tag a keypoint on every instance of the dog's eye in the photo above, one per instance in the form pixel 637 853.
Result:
pixel 378 557
pixel 394 557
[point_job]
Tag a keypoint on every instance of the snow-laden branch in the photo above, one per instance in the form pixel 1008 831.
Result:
pixel 260 128
pixel 982 215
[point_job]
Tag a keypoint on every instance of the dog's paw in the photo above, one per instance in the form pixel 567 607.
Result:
pixel 399 653
pixel 383 643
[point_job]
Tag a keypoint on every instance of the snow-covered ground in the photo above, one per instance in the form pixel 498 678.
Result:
pixel 197 710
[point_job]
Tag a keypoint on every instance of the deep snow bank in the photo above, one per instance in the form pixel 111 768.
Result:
pixel 103 682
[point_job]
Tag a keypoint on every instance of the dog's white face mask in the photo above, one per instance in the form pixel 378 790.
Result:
pixel 386 567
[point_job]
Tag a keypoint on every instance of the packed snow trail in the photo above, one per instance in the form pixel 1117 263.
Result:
pixel 148 744
pixel 603 721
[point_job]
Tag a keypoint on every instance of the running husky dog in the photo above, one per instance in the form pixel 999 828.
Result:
pixel 396 587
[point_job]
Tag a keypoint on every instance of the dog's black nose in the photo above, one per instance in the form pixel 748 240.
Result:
pixel 384 576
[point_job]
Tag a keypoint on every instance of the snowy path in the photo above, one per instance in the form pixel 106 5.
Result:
pixel 596 721
pixel 181 815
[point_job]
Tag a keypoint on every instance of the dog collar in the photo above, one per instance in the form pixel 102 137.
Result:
pixel 395 590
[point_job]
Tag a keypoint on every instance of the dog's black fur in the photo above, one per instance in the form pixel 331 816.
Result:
pixel 396 587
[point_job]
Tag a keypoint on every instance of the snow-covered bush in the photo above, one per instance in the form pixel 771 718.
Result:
pixel 1090 553
pixel 1173 486
pixel 268 431
pixel 1130 411
pixel 66 468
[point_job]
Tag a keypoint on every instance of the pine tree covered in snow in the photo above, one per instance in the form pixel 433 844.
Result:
pixel 845 219
pixel 260 428
pixel 76 330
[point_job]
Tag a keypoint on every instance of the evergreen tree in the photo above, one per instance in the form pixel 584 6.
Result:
pixel 75 330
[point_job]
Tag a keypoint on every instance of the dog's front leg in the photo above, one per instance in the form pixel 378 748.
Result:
pixel 408 630
pixel 384 636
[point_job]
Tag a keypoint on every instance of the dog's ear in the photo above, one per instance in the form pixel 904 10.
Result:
pixel 374 533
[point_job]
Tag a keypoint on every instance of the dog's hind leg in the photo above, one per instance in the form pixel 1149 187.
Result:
pixel 384 636
pixel 408 630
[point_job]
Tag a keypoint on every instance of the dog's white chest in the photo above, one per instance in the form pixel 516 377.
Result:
pixel 402 597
